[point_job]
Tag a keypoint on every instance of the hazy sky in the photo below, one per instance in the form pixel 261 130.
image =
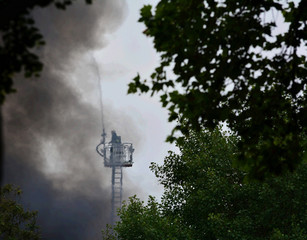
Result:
pixel 52 125
pixel 129 52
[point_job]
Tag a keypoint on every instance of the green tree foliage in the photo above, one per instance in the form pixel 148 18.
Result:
pixel 232 63
pixel 18 38
pixel 139 221
pixel 15 222
pixel 205 197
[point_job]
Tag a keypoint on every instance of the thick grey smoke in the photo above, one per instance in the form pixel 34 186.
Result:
pixel 51 130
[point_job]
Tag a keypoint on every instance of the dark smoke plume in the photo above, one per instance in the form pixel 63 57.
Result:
pixel 51 130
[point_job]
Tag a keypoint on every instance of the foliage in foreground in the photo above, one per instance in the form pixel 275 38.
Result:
pixel 205 197
pixel 15 222
pixel 234 62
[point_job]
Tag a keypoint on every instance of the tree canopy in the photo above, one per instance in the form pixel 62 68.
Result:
pixel 205 197
pixel 239 62
pixel 15 221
